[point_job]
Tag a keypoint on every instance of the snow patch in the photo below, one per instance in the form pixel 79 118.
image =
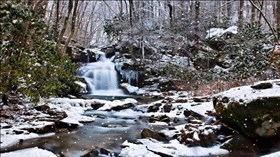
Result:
pixel 248 94
pixel 30 152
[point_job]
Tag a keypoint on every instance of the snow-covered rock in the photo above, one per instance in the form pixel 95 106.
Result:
pixel 252 110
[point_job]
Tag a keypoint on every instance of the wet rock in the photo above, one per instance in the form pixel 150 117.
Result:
pixel 264 85
pixel 167 107
pixel 96 106
pixel 147 133
pixel 256 116
pixel 240 146
pixel 18 131
pixel 91 153
pixel 154 107
pixel 204 99
pixel 181 100
pixel 188 113
pixel 122 107
pixel 44 108
pixel 43 129
pixel 61 124
pixel 163 118
pixel 106 151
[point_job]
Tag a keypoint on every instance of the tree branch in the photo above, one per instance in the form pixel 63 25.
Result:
pixel 269 25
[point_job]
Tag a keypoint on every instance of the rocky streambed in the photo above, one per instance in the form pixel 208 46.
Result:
pixel 173 125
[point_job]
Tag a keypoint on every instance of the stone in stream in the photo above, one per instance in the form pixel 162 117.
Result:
pixel 254 110
pixel 154 107
pixel 167 107
pixel 153 134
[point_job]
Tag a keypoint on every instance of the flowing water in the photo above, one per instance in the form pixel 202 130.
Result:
pixel 109 130
pixel 101 77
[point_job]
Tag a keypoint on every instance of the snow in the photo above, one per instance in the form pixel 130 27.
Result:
pixel 275 154
pixel 30 152
pixel 218 32
pixel 247 94
pixel 110 104
pixel 130 88
pixel 173 148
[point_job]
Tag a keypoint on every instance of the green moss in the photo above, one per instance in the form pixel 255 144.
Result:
pixel 247 118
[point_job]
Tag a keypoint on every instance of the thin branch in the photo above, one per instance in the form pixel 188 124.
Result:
pixel 270 27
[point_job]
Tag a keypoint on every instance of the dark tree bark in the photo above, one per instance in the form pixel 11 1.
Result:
pixel 170 12
pixel 131 10
pixel 70 7
pixel 197 13
pixel 278 15
pixel 56 20
pixel 240 13
pixel 253 13
pixel 73 26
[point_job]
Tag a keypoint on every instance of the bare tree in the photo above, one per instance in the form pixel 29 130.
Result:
pixel 240 13
pixel 73 23
pixel 70 7
pixel 253 13
pixel 56 20
pixel 278 14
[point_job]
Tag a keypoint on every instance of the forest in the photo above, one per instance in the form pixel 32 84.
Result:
pixel 140 78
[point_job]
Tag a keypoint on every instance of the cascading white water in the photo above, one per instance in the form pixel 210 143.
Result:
pixel 101 76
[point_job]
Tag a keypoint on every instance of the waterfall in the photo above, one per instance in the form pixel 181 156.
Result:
pixel 101 76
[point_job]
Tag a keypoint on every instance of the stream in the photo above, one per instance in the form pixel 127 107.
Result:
pixel 109 130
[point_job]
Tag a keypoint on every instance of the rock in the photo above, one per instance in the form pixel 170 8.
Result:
pixel 96 105
pixel 240 146
pixel 167 107
pixel 91 153
pixel 264 85
pixel 152 134
pixel 18 131
pixel 61 124
pixel 202 63
pixel 44 108
pixel 163 118
pixel 106 152
pixel 122 107
pixel 188 113
pixel 154 107
pixel 254 113
pixel 44 129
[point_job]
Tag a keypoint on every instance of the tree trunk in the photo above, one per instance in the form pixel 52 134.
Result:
pixel 229 7
pixel 260 15
pixel 253 13
pixel 131 10
pixel 70 7
pixel 240 13
pixel 170 12
pixel 56 20
pixel 197 13
pixel 278 15
pixel 73 26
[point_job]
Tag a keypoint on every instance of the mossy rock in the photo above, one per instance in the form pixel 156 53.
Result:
pixel 256 118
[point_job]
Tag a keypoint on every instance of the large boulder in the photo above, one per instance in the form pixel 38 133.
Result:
pixel 252 110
